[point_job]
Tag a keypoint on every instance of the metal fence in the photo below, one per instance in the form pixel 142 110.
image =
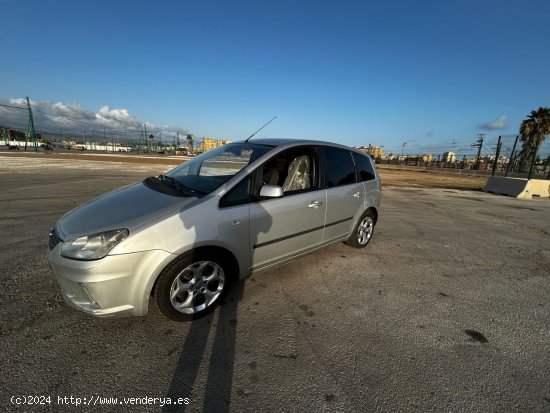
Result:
pixel 504 157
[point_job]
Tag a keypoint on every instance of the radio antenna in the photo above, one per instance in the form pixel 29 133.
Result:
pixel 260 128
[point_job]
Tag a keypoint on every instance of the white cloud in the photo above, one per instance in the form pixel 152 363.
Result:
pixel 116 118
pixel 72 110
pixel 72 118
pixel 21 102
pixel 497 124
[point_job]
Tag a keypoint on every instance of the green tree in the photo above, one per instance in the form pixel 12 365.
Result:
pixel 533 130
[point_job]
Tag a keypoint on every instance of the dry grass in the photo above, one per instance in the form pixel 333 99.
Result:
pixel 427 179
pixel 389 177
pixel 143 159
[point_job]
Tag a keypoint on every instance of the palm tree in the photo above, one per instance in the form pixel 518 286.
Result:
pixel 534 130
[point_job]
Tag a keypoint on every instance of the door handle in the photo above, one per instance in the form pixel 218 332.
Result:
pixel 357 194
pixel 315 204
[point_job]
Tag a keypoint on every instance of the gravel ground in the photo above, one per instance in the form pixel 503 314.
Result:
pixel 446 310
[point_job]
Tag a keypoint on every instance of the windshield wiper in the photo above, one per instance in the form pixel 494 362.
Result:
pixel 174 183
pixel 170 181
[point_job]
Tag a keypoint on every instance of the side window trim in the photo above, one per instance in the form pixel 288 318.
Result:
pixel 355 156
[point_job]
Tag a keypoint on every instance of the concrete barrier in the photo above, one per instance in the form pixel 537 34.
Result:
pixel 518 187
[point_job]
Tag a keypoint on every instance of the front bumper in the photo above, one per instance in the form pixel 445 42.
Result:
pixel 117 285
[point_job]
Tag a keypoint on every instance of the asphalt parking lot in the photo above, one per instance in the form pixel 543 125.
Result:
pixel 447 309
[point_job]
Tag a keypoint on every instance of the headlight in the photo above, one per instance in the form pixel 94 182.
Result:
pixel 93 247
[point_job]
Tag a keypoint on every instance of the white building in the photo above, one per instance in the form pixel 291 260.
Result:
pixel 449 157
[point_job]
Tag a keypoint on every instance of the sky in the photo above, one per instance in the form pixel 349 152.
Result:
pixel 432 74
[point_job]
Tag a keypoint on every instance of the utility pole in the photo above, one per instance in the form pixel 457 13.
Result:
pixel 30 128
pixel 151 142
pixel 190 145
pixel 479 145
pixel 499 144
pixel 146 141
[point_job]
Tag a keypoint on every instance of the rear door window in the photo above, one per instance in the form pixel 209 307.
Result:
pixel 365 171
pixel 339 167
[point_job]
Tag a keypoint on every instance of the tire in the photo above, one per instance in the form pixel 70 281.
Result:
pixel 362 233
pixel 192 286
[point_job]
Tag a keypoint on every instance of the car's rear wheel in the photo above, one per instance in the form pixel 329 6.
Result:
pixel 362 233
pixel 192 286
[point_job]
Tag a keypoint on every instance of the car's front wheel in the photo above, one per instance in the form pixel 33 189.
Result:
pixel 192 286
pixel 362 233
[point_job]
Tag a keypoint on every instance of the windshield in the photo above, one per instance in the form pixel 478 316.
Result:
pixel 211 169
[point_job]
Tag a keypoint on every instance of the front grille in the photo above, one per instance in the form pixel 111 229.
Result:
pixel 54 239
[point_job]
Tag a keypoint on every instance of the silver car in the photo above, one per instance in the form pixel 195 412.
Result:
pixel 184 236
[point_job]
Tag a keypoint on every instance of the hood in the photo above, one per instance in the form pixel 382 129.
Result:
pixel 127 207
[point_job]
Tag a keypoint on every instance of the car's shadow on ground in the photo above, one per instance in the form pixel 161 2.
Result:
pixel 223 324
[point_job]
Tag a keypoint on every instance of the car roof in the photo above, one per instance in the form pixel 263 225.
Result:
pixel 294 142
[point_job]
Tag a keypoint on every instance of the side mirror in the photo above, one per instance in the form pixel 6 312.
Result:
pixel 271 191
